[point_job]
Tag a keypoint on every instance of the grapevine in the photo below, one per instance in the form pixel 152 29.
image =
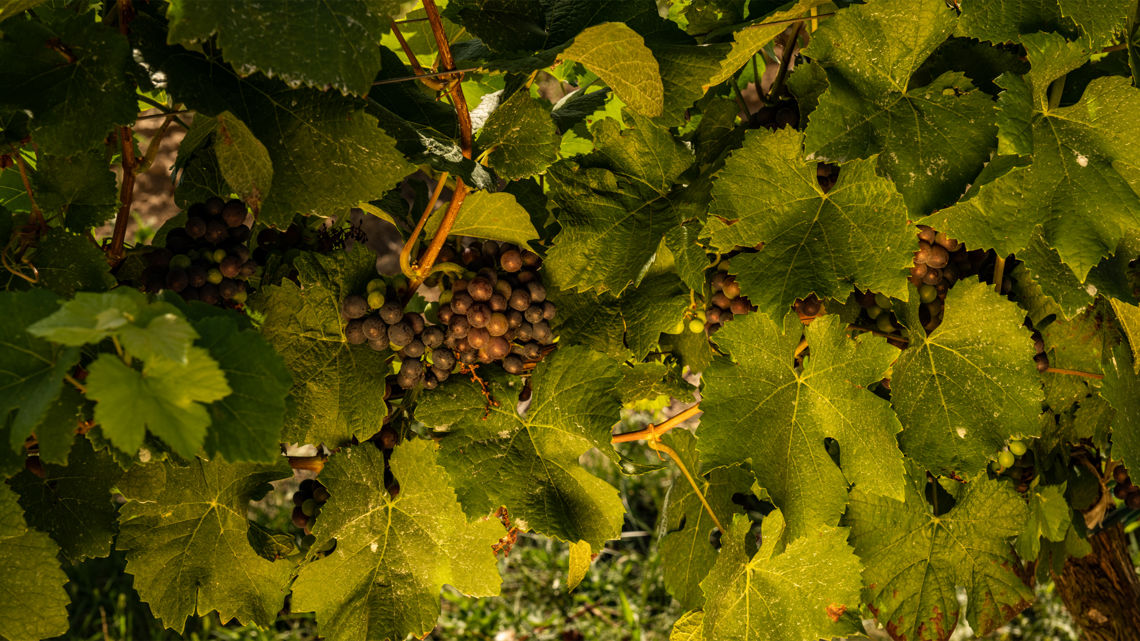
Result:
pixel 857 281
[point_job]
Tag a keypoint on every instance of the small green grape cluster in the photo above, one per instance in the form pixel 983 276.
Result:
pixel 726 301
pixel 1124 489
pixel 1013 462
pixel 877 310
pixel 307 503
pixel 206 259
pixel 693 320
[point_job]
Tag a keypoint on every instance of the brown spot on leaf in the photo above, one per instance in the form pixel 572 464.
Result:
pixel 835 610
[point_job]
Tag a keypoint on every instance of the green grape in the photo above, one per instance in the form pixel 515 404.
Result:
pixel 882 301
pixel 696 325
pixel 309 507
pixel 1006 459
pixel 376 285
pixel 884 323
pixel 375 299
pixel 927 293
pixel 240 297
pixel 723 265
pixel 214 276
pixel 1017 448
pixel 180 261
pixel 218 256
pixel 874 312
pixel 701 316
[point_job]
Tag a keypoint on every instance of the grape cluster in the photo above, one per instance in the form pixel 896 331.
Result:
pixel 726 301
pixel 500 314
pixel 1125 490
pixel 307 502
pixel 206 259
pixel 1013 462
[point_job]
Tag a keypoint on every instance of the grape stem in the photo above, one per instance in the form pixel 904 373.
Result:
pixel 37 213
pixel 785 62
pixel 406 251
pixel 654 432
pixel 428 80
pixel 657 445
pixel 154 144
pixel 999 273
pixel 1073 372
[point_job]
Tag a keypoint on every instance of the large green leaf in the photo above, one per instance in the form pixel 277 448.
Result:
pixel 185 533
pixel 529 463
pixel 338 389
pixel 484 214
pixel 1121 388
pixel 243 161
pixel 965 389
pixel 629 325
pixel 914 567
pixel 855 235
pixel 784 591
pixel 685 526
pixel 1050 518
pixel 246 424
pixel 618 55
pixel 35 603
pixel 79 190
pixel 31 369
pixel 68 263
pixel 1007 20
pixel 1078 185
pixel 292 41
pixel 69 72
pixel 615 205
pixel 1128 316
pixel 167 398
pixel 762 410
pixel 932 140
pixel 73 502
pixel 519 139
pixel 393 554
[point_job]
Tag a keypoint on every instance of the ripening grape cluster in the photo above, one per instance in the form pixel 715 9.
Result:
pixel 307 502
pixel 726 301
pixel 497 315
pixel 206 259
pixel 1013 462
pixel 1125 490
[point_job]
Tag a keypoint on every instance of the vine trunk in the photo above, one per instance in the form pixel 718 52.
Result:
pixel 1101 590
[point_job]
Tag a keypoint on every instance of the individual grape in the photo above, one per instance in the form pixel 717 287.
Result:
pixel 353 307
pixel 525 332
pixel 537 291
pixel 530 259
pixel 415 321
pixel 533 314
pixel 696 325
pixel 459 326
pixel 214 205
pixel 321 494
pixel 1006 459
pixel 498 347
pixel 720 300
pixel 498 324
pixel 375 329
pixel 445 314
pixel 195 227
pixel 498 303
pixel 1121 491
pixel 375 299
pixel 233 213
pixel 230 288
pixel 299 518
pixel 177 280
pixel 379 346
pixel 1017 448
pixel 884 323
pixel 441 374
pixel 478 337
pixel 432 336
pixel 309 507
pixel 376 285
pixel 414 349
pixel 391 312
pixel 239 234
pixel 548 310
pixel 400 334
pixel 513 364
pixel 209 294
pixel 739 306
pixel 214 276
pixel 478 315
pixel 1120 475
pixel 230 266
pixel 511 261
pixel 504 288
pixel 443 358
pixel 461 303
pixel 730 287
pixel 411 370
pixel 354 332
pixel 480 289
pixel 532 351
pixel 927 293
pixel 216 232
pixel 197 275
pixel 490 248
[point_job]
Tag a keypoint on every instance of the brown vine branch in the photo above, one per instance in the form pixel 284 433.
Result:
pixel 37 214
pixel 154 145
pixel 126 195
pixel 311 463
pixel 785 62
pixel 406 250
pixel 654 432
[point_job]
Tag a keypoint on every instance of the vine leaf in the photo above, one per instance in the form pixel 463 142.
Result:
pixel 629 325
pixel 185 533
pixel 393 554
pixel 932 140
pixel 759 409
pixel 31 368
pixel 73 502
pixel 913 568
pixel 69 72
pixel 1007 21
pixel 571 409
pixel 166 397
pixel 519 138
pixel 260 35
pixel 618 55
pixel 243 161
pixel 1049 518
pixel 684 528
pixel 1121 388
pixel 796 590
pixel 855 235
pixel 485 214
pixel 1128 316
pixel 303 324
pixel 968 387
pixel 35 603
pixel 1077 186
pixel 80 189
pixel 615 205
pixel 246 424
pixel 68 263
